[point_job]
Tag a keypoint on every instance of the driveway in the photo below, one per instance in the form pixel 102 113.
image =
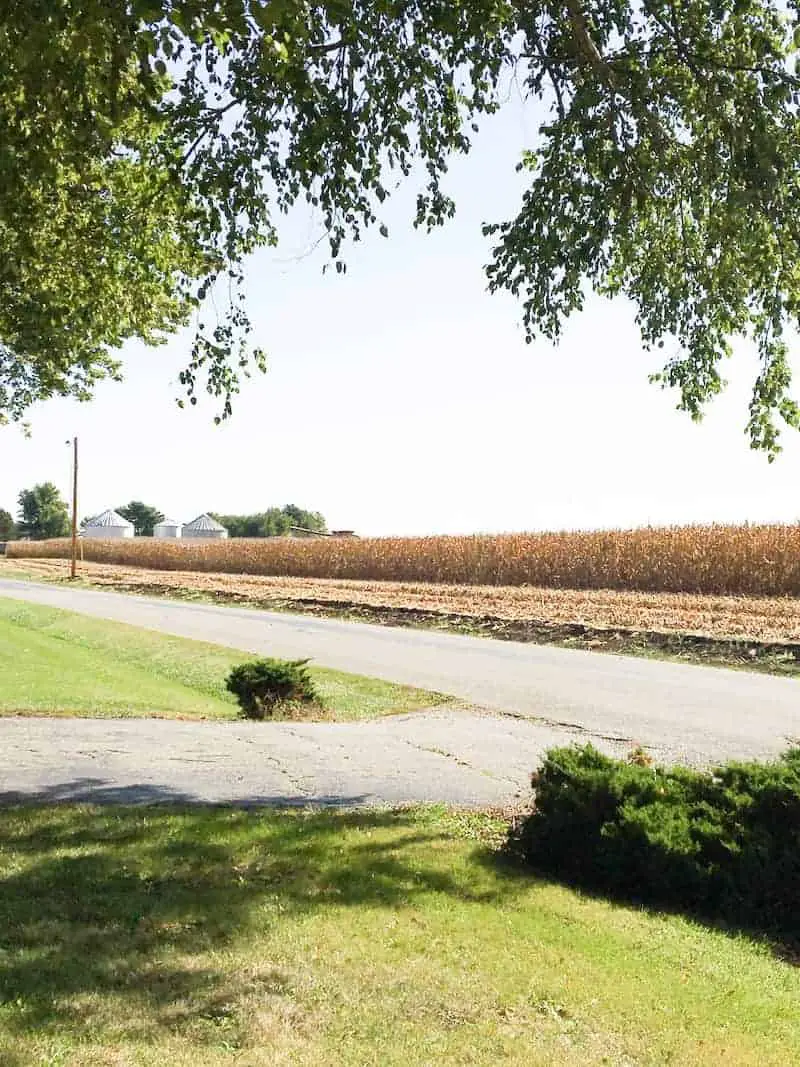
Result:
pixel 453 757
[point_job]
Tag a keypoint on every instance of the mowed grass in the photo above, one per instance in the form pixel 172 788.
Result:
pixel 216 937
pixel 61 663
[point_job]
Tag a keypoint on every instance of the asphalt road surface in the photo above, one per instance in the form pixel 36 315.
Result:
pixel 539 696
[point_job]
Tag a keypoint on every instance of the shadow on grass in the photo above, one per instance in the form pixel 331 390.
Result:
pixel 124 922
pixel 98 791
pixel 720 846
pixel 783 940
pixel 114 906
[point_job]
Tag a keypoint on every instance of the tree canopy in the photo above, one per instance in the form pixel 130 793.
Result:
pixel 148 146
pixel 43 513
pixel 8 528
pixel 143 517
pixel 274 522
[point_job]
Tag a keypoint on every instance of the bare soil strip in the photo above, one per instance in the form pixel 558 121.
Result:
pixel 761 632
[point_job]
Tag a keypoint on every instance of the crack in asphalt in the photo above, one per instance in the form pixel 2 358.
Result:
pixel 192 759
pixel 293 780
pixel 567 727
pixel 460 762
pixel 439 752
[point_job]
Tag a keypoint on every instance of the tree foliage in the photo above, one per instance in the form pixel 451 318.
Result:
pixel 274 522
pixel 42 513
pixel 149 146
pixel 143 517
pixel 8 528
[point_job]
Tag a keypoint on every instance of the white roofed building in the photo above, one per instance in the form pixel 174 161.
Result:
pixel 204 527
pixel 108 524
pixel 167 528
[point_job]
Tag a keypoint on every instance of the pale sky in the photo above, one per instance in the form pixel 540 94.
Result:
pixel 401 398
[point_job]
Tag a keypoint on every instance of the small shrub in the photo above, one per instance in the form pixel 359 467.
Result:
pixel 723 844
pixel 263 685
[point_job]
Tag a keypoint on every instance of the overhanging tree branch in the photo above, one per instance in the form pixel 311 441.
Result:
pixel 585 44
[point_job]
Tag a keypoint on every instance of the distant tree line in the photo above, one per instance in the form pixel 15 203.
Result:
pixel 274 522
pixel 43 514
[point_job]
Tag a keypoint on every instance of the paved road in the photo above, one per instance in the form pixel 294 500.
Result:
pixel 681 712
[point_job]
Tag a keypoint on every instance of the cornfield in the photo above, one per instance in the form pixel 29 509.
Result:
pixel 752 560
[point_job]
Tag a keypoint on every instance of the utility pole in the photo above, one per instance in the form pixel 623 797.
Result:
pixel 73 563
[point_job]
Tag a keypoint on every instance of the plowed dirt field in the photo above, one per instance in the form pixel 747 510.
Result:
pixel 762 619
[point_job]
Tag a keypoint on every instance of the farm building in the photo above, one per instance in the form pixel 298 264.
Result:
pixel 108 524
pixel 303 531
pixel 204 526
pixel 167 528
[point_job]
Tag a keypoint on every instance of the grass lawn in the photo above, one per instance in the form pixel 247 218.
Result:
pixel 57 662
pixel 215 937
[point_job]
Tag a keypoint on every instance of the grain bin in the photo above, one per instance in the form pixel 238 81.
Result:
pixel 166 529
pixel 204 527
pixel 107 525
